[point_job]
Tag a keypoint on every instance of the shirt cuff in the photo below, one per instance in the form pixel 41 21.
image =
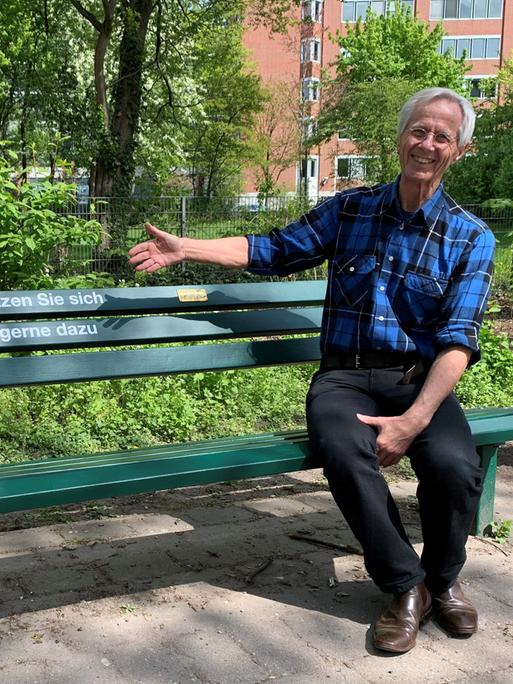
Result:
pixel 461 337
pixel 259 254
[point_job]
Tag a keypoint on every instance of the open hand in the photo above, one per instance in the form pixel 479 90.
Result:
pixel 163 250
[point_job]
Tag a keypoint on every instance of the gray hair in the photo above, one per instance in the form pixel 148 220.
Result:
pixel 430 94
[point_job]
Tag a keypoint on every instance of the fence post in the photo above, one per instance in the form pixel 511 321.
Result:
pixel 183 221
pixel 183 216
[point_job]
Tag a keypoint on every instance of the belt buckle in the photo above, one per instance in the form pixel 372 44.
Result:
pixel 357 361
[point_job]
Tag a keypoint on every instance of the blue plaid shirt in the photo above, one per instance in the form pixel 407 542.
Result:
pixel 396 282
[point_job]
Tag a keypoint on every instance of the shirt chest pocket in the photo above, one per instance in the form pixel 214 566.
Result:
pixel 352 278
pixel 422 298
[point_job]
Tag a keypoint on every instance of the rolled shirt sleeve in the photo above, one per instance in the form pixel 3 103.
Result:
pixel 301 245
pixel 466 297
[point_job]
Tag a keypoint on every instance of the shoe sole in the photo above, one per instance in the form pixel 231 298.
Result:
pixel 462 634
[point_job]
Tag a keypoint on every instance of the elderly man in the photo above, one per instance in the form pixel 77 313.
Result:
pixel 409 276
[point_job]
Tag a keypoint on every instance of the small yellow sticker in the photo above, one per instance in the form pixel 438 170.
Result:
pixel 192 295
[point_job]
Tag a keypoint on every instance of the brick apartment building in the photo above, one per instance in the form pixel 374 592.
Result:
pixel 484 28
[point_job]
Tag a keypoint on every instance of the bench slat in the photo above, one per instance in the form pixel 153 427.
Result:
pixel 101 332
pixel 150 474
pixel 234 443
pixel 134 363
pixel 480 431
pixel 34 304
pixel 492 429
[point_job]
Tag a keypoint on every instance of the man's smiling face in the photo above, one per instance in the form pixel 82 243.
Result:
pixel 429 144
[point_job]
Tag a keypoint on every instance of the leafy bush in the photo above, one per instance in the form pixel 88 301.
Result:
pixel 30 227
pixel 489 382
pixel 88 417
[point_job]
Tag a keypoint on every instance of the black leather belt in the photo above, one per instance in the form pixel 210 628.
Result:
pixel 368 359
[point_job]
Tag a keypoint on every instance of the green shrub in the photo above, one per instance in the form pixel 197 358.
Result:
pixel 100 416
pixel 31 227
pixel 489 382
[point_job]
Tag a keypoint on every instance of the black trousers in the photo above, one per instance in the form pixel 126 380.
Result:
pixel 443 457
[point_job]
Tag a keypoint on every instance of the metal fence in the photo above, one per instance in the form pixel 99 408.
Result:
pixel 501 223
pixel 123 223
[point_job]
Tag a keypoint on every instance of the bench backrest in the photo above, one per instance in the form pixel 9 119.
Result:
pixel 170 317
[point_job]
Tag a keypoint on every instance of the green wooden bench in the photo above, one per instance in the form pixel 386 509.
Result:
pixel 262 324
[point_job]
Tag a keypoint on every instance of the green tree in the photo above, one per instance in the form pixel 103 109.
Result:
pixel 278 135
pixel 41 99
pixel 397 46
pixel 149 69
pixel 382 62
pixel 89 80
pixel 487 171
pixel 217 141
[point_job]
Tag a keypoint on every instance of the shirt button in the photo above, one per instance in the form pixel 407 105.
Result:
pixel 351 268
pixel 390 258
pixel 381 318
pixel 401 227
pixel 382 288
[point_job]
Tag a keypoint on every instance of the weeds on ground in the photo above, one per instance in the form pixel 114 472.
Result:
pixel 500 530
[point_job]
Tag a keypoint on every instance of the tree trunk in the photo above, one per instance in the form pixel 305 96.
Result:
pixel 115 165
pixel 23 145
pixel 113 169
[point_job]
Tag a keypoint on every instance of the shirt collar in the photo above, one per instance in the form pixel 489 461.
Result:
pixel 426 215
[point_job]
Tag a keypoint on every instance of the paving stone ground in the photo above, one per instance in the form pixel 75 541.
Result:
pixel 209 585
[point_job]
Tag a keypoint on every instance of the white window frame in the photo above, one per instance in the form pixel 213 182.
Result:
pixel 308 126
pixel 389 6
pixel 312 168
pixel 433 16
pixel 310 89
pixel 479 77
pixel 310 50
pixel 311 10
pixel 358 161
pixel 470 57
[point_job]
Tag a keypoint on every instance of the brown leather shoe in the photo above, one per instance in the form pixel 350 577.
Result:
pixel 396 630
pixel 454 612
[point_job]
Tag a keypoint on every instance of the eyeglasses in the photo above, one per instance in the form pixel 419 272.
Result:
pixel 440 139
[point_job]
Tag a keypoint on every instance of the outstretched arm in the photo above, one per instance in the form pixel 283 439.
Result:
pixel 396 433
pixel 165 249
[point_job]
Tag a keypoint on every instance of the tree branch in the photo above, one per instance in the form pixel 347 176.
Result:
pixel 87 15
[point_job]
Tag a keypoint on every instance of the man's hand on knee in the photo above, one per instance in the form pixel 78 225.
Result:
pixel 394 436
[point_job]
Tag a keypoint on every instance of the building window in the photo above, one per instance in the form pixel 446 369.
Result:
pixel 311 10
pixel 310 89
pixel 465 9
pixel 308 168
pixel 352 10
pixel 311 50
pixel 308 126
pixel 481 87
pixel 474 47
pixel 350 167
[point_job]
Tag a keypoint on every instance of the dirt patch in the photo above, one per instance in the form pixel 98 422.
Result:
pixel 504 325
pixel 171 502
